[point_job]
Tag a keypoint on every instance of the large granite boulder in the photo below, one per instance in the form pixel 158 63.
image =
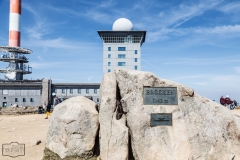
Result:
pixel 73 128
pixel 201 128
pixel 113 132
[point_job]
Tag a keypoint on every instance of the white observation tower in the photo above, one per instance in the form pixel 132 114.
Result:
pixel 122 46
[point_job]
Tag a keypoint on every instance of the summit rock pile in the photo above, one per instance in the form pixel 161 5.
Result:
pixel 201 128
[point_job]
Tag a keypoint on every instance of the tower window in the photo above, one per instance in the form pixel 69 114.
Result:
pixel 109 48
pixel 128 39
pixel 121 55
pixel 31 100
pixel 135 67
pixel 109 70
pixel 121 48
pixel 16 99
pixel 135 59
pixel 109 55
pixel 109 63
pixel 135 51
pixel 121 63
pixel 24 99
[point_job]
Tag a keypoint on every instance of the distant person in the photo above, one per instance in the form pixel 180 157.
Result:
pixel 229 102
pixel 222 100
pixel 44 107
pixel 48 109
pixel 235 102
pixel 233 105
pixel 40 109
pixel 56 101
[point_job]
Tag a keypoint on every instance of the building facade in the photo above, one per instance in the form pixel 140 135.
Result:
pixel 67 90
pixel 122 46
pixel 37 92
pixel 22 93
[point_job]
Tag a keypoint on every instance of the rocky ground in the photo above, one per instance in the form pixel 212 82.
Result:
pixel 29 129
pixel 18 110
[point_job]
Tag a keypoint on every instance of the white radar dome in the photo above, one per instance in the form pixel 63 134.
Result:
pixel 122 24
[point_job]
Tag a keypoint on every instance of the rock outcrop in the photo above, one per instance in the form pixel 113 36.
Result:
pixel 73 128
pixel 201 128
pixel 113 132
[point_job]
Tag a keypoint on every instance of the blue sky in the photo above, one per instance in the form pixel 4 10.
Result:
pixel 196 43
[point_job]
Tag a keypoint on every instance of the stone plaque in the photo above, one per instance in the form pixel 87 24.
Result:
pixel 161 119
pixel 160 96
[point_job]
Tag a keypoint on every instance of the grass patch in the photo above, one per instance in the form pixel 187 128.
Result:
pixel 49 155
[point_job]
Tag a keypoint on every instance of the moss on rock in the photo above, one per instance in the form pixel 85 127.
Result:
pixel 49 155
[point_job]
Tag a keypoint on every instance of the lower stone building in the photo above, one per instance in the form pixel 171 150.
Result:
pixel 36 92
pixel 66 90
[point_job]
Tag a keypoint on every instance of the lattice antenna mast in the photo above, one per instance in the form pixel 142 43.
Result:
pixel 13 54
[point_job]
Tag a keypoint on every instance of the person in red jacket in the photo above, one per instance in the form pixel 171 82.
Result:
pixel 222 100
pixel 228 100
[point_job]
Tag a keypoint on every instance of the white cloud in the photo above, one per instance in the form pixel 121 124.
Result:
pixel 231 8
pixel 95 12
pixel 59 43
pixel 30 9
pixel 202 62
pixel 41 65
pixel 151 64
pixel 226 29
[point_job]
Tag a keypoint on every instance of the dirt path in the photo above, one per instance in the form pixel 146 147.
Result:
pixel 26 129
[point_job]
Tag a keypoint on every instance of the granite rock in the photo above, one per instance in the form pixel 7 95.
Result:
pixel 201 128
pixel 73 128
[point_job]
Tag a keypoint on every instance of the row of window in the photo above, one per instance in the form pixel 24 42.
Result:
pixel 122 39
pixel 121 63
pixel 121 49
pixel 71 91
pixel 135 67
pixel 24 100
pixel 121 56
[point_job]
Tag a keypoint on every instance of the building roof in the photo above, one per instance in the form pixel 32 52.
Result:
pixel 75 84
pixel 123 33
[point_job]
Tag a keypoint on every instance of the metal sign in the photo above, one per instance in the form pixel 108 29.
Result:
pixel 160 96
pixel 161 119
